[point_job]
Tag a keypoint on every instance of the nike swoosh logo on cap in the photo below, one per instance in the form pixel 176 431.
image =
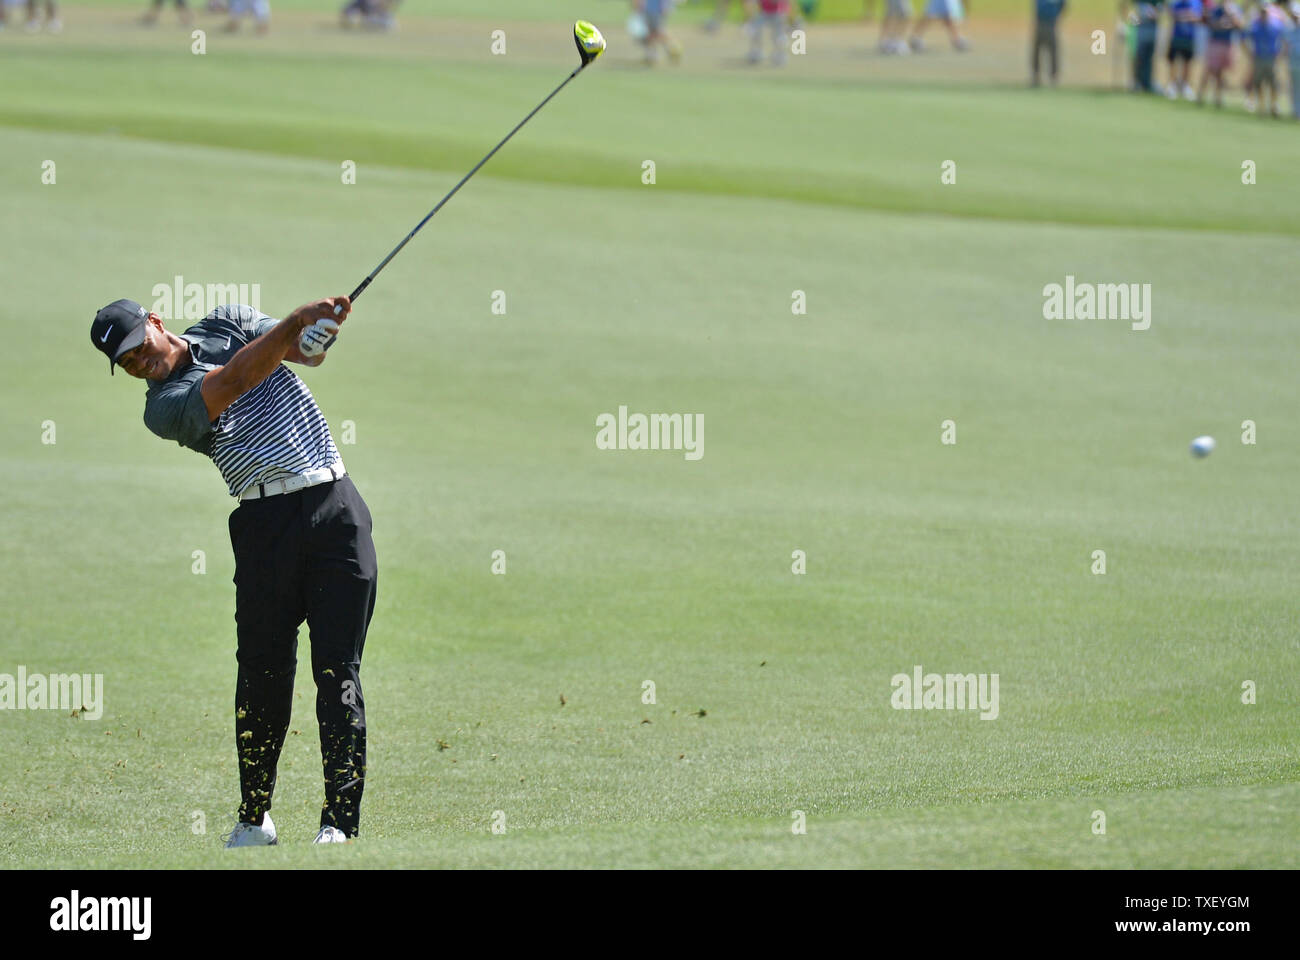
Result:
pixel 104 338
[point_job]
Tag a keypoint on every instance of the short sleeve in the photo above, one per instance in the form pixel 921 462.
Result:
pixel 177 411
pixel 263 325
pixel 250 323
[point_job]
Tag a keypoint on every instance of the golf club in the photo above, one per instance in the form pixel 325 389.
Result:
pixel 590 46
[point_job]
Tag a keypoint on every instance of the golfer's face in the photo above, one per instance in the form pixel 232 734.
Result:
pixel 151 360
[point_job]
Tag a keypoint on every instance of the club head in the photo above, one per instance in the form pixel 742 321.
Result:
pixel 589 41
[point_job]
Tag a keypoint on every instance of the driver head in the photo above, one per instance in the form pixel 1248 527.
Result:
pixel 589 41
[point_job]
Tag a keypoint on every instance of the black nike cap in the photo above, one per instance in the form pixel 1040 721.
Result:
pixel 117 328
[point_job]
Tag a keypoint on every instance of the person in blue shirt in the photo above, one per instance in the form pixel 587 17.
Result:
pixel 1047 16
pixel 1186 14
pixel 656 14
pixel 1264 37
pixel 1226 22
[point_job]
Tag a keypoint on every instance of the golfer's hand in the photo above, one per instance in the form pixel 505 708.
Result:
pixel 316 338
pixel 309 313
pixel 314 325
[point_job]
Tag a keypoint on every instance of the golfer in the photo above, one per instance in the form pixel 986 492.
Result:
pixel 301 532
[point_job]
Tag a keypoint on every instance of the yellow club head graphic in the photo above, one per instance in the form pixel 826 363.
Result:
pixel 590 43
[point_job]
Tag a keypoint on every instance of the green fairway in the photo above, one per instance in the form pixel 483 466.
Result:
pixel 475 432
pixel 1018 155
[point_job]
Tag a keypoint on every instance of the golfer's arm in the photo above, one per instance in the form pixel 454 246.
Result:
pixel 248 367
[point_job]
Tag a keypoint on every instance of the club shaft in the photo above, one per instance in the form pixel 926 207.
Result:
pixel 463 180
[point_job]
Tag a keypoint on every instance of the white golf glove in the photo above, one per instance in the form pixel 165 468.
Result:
pixel 314 338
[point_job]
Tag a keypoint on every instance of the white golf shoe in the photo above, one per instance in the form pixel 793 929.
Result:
pixel 330 835
pixel 251 835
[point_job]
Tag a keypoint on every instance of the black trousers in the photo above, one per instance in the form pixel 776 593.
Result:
pixel 1044 39
pixel 1144 59
pixel 306 555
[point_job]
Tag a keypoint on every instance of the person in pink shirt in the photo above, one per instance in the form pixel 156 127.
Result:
pixel 774 17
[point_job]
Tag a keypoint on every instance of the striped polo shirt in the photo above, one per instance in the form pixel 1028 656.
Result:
pixel 271 432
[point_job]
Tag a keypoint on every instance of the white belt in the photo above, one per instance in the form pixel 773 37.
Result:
pixel 273 488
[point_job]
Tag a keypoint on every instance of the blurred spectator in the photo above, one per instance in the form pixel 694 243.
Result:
pixel 52 22
pixel 375 14
pixel 1293 56
pixel 951 13
pixel 182 11
pixel 1186 14
pixel 1248 83
pixel 1202 32
pixel 655 13
pixel 1264 39
pixel 1225 22
pixel 1126 27
pixel 898 14
pixel 774 17
pixel 260 9
pixel 1145 18
pixel 1047 16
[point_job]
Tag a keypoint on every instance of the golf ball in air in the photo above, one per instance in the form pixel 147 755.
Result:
pixel 1202 446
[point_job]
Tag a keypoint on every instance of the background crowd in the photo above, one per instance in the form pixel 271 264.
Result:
pixel 1202 47
pixel 1191 49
